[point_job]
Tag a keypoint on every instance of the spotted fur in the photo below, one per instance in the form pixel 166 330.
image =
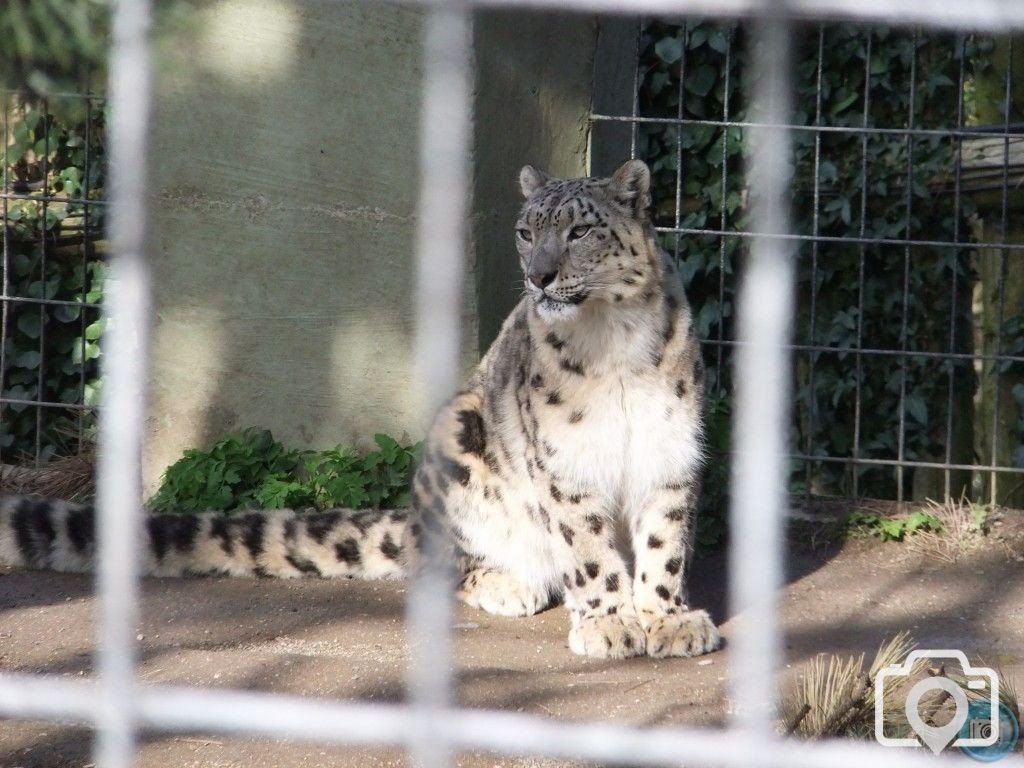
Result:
pixel 582 421
pixel 584 418
pixel 37 533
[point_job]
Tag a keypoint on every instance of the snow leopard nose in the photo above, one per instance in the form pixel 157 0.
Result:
pixel 542 281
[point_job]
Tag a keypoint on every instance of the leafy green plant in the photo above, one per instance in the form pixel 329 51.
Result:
pixel 54 230
pixel 50 45
pixel 231 474
pixel 381 478
pixel 62 46
pixel 893 528
pixel 54 153
pixel 252 469
pixel 701 72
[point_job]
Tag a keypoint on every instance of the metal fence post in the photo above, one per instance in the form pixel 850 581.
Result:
pixel 119 487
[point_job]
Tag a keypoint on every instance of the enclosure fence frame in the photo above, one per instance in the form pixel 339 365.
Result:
pixel 979 477
pixel 117 706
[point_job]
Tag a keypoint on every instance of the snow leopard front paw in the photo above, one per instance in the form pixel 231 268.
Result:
pixel 501 593
pixel 607 637
pixel 682 634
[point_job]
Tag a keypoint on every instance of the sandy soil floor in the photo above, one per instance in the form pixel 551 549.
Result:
pixel 347 640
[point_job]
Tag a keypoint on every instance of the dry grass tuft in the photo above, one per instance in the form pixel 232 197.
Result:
pixel 964 527
pixel 71 478
pixel 1008 695
pixel 836 696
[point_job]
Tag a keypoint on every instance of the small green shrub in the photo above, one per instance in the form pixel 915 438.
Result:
pixel 381 478
pixel 252 469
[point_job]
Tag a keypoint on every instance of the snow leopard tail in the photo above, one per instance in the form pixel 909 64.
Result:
pixel 60 536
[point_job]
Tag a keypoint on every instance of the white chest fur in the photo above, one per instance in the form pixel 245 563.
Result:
pixel 622 430
pixel 633 437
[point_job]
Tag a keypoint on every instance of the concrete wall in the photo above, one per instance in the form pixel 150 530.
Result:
pixel 284 202
pixel 534 84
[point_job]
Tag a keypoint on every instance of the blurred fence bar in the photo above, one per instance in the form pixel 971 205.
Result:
pixel 119 478
pixel 429 725
pixel 765 310
pixel 442 233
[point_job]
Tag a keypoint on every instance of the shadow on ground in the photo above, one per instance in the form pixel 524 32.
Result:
pixel 347 640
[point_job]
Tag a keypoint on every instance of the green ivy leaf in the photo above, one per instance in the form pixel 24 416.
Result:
pixel 719 41
pixel 701 80
pixel 30 323
pixel 29 359
pixel 94 330
pixel 669 49
pixel 67 313
pixel 918 409
pixel 843 104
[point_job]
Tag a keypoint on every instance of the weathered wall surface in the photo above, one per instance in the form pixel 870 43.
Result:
pixel 534 84
pixel 284 204
pixel 285 169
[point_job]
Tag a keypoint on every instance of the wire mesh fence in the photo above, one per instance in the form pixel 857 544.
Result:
pixel 52 212
pixel 118 705
pixel 906 177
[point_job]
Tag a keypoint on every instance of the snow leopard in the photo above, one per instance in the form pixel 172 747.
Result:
pixel 567 470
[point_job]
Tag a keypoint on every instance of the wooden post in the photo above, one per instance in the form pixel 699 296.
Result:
pixel 999 291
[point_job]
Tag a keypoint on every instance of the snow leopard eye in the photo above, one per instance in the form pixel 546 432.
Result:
pixel 525 234
pixel 577 233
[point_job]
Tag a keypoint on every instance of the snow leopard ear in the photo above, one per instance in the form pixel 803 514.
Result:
pixel 530 180
pixel 631 187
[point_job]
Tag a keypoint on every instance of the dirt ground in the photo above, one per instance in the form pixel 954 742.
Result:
pixel 347 640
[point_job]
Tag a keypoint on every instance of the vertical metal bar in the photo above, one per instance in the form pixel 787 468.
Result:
pixel 719 352
pixel 126 346
pixel 861 268
pixel 765 311
pixel 85 271
pixel 41 376
pixel 5 267
pixel 1004 223
pixel 634 126
pixel 680 111
pixel 955 264
pixel 812 400
pixel 901 439
pixel 440 253
pixel 1000 313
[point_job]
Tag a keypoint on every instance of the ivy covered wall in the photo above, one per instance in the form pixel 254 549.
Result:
pixel 868 187
pixel 55 150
